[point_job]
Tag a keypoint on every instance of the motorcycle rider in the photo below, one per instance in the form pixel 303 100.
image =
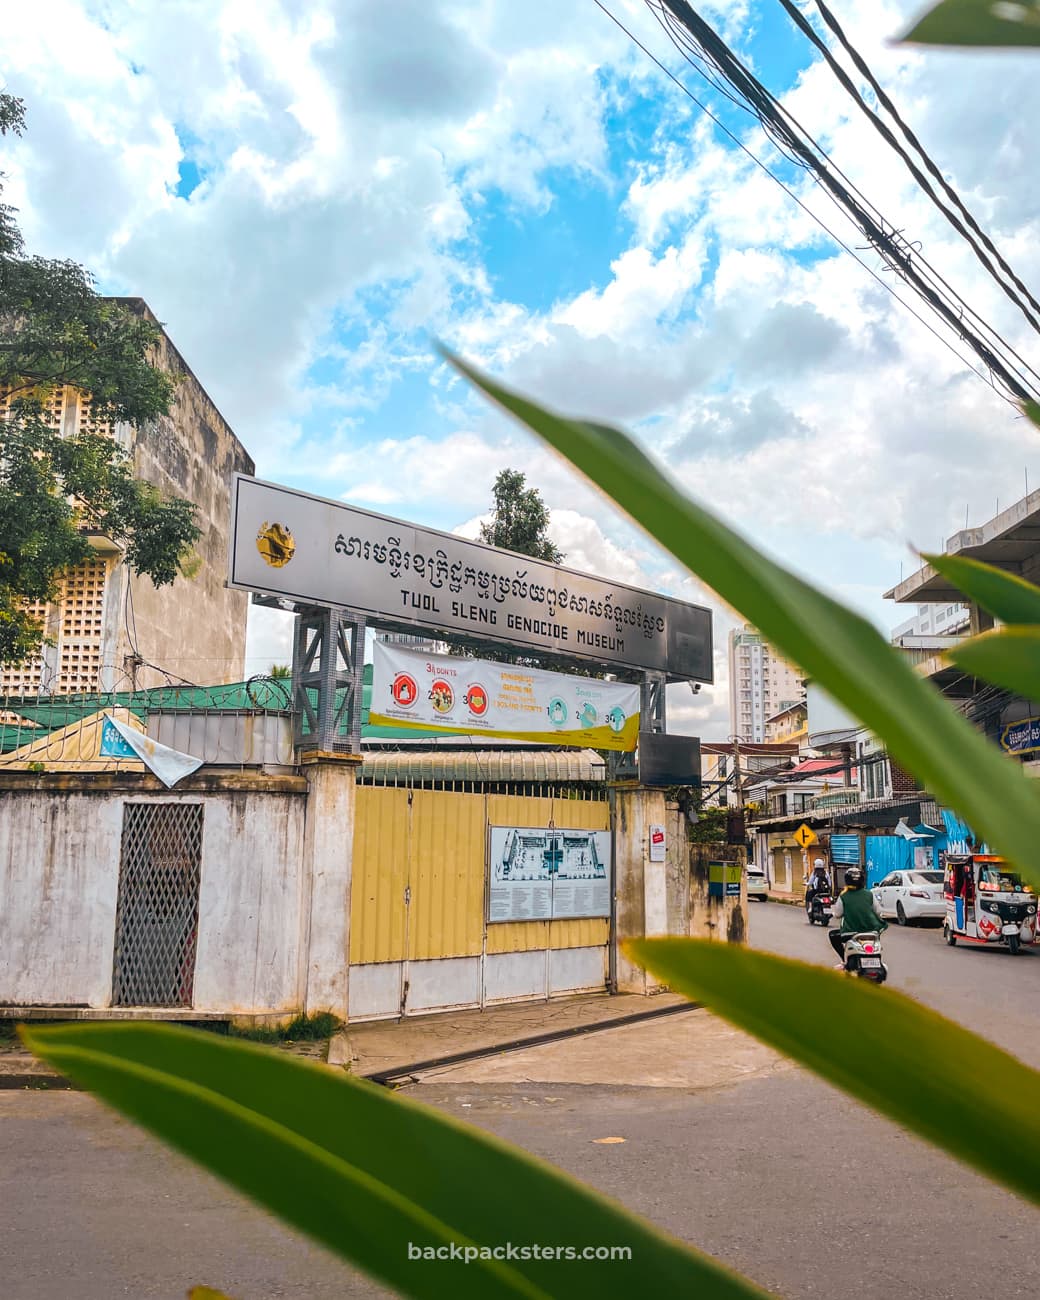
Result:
pixel 854 908
pixel 818 882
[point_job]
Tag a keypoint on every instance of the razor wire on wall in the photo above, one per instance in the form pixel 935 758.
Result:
pixel 242 724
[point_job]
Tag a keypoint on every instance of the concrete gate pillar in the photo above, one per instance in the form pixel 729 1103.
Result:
pixel 642 894
pixel 328 856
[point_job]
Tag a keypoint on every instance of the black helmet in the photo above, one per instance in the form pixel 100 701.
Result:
pixel 854 877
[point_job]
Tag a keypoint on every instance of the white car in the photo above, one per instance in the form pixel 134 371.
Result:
pixel 911 896
pixel 757 885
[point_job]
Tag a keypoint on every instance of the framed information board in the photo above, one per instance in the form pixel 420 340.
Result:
pixel 548 874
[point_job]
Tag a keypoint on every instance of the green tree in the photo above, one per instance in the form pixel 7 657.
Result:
pixel 56 491
pixel 519 519
pixel 279 672
pixel 519 522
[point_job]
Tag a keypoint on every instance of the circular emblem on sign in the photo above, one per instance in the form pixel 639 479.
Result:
pixel 404 691
pixel 557 711
pixel 589 717
pixel 477 700
pixel 276 544
pixel 616 718
pixel 442 696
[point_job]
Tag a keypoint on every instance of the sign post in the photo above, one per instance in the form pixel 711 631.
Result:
pixel 328 650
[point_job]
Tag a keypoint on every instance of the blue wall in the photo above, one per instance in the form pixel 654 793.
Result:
pixel 845 849
pixel 887 853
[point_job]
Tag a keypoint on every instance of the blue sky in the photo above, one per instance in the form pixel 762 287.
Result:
pixel 307 196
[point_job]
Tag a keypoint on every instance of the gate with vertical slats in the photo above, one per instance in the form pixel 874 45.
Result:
pixel 419 936
pixel 157 920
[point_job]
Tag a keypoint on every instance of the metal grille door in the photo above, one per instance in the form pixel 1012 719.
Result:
pixel 158 917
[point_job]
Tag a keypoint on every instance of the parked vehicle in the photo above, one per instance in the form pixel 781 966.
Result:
pixel 757 885
pixel 863 957
pixel 818 908
pixel 986 902
pixel 911 896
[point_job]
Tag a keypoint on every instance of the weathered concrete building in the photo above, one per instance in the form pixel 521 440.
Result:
pixel 111 629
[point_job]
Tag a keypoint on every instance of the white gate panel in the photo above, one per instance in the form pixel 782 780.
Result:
pixel 514 975
pixel 575 970
pixel 443 983
pixel 374 990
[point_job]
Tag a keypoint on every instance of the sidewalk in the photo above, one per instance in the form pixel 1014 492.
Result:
pixel 383 1045
pixel 792 900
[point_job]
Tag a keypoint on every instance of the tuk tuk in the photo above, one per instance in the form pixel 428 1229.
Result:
pixel 986 902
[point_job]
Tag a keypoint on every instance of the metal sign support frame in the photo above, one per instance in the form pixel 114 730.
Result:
pixel 652 709
pixel 327 664
pixel 328 659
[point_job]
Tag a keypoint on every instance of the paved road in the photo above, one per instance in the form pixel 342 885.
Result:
pixel 764 1174
pixel 986 989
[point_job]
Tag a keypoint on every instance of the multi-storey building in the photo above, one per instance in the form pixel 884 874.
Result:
pixel 110 629
pixel 944 619
pixel 1009 541
pixel 761 683
pixel 426 645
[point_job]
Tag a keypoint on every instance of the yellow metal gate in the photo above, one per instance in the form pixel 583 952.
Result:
pixel 419 939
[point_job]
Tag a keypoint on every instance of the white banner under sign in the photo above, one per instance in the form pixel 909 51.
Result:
pixel 476 697
pixel 542 875
pixel 169 765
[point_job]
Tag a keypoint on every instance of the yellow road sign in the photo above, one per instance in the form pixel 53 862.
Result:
pixel 805 835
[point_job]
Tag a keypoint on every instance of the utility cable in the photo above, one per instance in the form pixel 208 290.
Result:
pixel 1029 307
pixel 730 135
pixel 815 161
pixel 764 107
pixel 783 129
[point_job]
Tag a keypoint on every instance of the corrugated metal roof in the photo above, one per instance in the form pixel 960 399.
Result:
pixel 493 766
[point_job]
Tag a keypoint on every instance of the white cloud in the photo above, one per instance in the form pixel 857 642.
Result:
pixel 349 151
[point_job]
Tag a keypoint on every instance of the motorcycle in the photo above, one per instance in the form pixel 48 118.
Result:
pixel 863 957
pixel 818 909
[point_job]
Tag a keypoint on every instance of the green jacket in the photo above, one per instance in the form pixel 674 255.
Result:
pixel 858 912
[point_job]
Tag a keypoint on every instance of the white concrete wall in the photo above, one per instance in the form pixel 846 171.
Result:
pixel 59 878
pixel 59 872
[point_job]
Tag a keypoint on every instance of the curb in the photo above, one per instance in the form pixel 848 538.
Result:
pixel 34 1081
pixel 397 1075
pixel 786 902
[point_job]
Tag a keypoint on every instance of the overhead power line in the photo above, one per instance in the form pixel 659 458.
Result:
pixel 1016 376
pixel 813 216
pixel 712 59
pixel 977 239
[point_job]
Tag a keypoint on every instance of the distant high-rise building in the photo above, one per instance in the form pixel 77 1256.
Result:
pixel 426 645
pixel 761 683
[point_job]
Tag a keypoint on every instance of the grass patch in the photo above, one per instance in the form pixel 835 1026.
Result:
pixel 301 1029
